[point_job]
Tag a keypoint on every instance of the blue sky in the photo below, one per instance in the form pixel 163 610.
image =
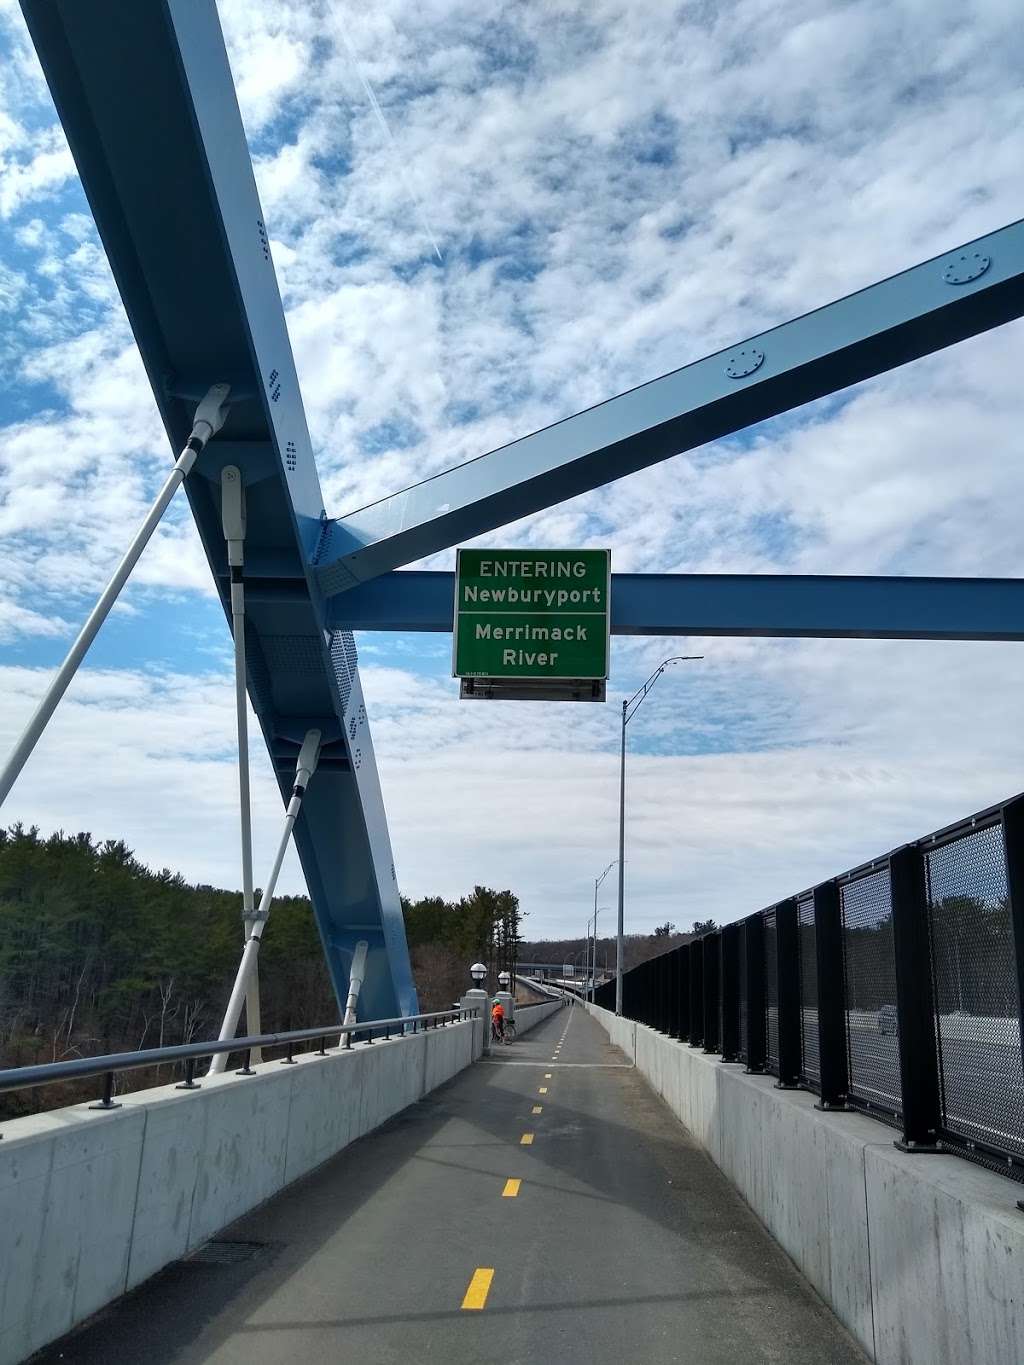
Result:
pixel 481 222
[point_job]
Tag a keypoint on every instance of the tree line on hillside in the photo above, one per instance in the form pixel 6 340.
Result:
pixel 446 937
pixel 636 948
pixel 100 954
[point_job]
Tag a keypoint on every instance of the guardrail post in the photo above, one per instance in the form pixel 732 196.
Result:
pixel 788 967
pixel 696 992
pixel 828 940
pixel 1013 848
pixel 757 1035
pixel 108 1101
pixel 730 988
pixel 709 962
pixel 915 1003
pixel 190 1082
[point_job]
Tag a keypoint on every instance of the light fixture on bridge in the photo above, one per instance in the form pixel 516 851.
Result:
pixel 478 971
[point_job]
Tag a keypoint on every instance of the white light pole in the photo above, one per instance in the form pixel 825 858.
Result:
pixel 597 883
pixel 629 710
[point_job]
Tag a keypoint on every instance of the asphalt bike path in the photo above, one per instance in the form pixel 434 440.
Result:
pixel 542 1206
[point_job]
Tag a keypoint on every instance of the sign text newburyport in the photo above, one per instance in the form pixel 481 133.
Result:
pixel 531 614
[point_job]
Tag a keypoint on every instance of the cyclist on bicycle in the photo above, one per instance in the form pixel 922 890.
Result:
pixel 498 1022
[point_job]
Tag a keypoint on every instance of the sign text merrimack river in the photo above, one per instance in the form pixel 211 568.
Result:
pixel 531 614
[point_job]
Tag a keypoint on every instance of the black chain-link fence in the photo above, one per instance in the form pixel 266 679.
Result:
pixel 977 1002
pixel 895 989
pixel 873 1054
pixel 771 988
pixel 744 1049
pixel 810 1072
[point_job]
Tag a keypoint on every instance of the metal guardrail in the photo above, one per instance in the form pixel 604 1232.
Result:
pixel 894 988
pixel 108 1066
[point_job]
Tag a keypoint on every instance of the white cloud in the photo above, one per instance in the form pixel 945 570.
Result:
pixel 616 190
pixel 147 757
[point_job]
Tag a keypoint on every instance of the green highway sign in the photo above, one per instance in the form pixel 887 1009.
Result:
pixel 532 614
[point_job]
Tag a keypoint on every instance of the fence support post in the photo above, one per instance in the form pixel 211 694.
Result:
pixel 709 945
pixel 828 940
pixel 730 987
pixel 915 1003
pixel 696 992
pixel 682 973
pixel 671 994
pixel 788 968
pixel 757 1037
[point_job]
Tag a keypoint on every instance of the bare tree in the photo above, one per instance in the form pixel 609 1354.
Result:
pixel 194 1010
pixel 166 989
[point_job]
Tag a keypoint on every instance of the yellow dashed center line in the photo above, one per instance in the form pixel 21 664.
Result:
pixel 526 1140
pixel 547 1075
pixel 511 1189
pixel 479 1288
pixel 543 1090
pixel 538 1109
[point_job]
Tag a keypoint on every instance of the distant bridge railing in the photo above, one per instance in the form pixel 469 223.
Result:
pixel 189 1054
pixel 894 989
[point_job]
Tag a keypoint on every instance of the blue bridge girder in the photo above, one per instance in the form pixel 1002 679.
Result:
pixel 795 605
pixel 145 94
pixel 954 296
pixel 146 97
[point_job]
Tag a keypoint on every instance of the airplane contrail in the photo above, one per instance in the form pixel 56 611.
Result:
pixel 379 114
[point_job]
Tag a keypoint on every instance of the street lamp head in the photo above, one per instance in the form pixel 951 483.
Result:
pixel 503 979
pixel 478 971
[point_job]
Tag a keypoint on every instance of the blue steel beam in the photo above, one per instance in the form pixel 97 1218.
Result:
pixel 145 94
pixel 733 604
pixel 966 291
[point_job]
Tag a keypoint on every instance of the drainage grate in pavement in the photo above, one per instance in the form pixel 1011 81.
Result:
pixel 225 1253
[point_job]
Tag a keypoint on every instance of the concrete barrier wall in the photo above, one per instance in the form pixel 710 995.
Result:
pixel 529 1016
pixel 921 1257
pixel 93 1203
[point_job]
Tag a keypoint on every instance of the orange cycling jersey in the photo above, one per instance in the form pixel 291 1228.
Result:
pixel 497 1012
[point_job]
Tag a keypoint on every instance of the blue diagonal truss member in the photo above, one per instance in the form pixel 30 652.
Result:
pixel 967 290
pixel 145 94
